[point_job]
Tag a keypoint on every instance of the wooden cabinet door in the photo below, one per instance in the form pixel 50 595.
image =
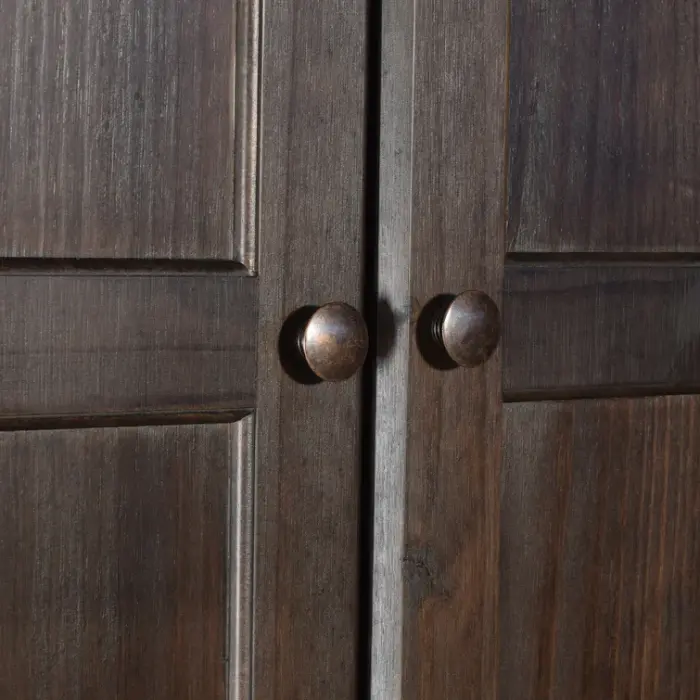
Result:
pixel 179 515
pixel 537 517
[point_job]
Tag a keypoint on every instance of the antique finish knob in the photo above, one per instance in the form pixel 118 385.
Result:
pixel 469 329
pixel 334 342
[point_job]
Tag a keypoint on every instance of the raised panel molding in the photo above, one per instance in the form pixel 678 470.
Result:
pixel 128 130
pixel 127 562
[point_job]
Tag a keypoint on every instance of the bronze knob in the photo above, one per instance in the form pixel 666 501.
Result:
pixel 334 342
pixel 469 328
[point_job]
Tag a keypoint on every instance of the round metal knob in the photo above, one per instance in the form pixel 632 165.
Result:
pixel 470 328
pixel 334 342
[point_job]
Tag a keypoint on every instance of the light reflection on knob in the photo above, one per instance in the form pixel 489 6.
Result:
pixel 334 342
pixel 469 329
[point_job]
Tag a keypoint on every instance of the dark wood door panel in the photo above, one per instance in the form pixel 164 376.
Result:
pixel 600 543
pixel 308 447
pixel 604 126
pixel 85 344
pixel 441 220
pixel 128 129
pixel 573 330
pixel 121 549
pixel 129 194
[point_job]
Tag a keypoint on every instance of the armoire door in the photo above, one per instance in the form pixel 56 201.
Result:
pixel 179 511
pixel 537 507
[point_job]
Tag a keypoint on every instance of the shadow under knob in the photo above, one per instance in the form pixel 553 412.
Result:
pixel 469 329
pixel 334 342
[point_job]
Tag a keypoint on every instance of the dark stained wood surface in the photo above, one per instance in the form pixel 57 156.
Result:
pixel 308 436
pixel 82 343
pixel 604 129
pixel 128 129
pixel 600 544
pixel 441 230
pixel 586 329
pixel 115 573
pixel 125 137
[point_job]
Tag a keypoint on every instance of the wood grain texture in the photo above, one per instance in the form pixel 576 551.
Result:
pixel 128 129
pixel 604 126
pixel 585 329
pixel 438 441
pixel 600 543
pixel 83 343
pixel 308 438
pixel 115 578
